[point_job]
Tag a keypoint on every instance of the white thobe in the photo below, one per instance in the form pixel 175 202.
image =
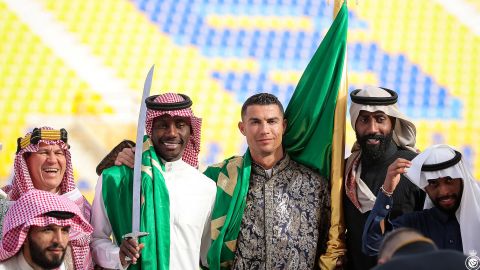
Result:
pixel 192 196
pixel 18 262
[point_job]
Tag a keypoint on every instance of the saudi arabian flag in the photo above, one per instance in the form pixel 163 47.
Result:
pixel 317 109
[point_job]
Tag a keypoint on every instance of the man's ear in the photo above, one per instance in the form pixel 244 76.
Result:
pixel 285 122
pixel 241 127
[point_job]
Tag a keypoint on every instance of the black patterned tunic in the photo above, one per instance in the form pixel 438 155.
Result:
pixel 286 219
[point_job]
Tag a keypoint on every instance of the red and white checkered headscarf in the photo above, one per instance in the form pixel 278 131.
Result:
pixel 29 211
pixel 22 182
pixel 190 154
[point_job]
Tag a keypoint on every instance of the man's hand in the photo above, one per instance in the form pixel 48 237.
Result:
pixel 130 248
pixel 341 262
pixel 126 157
pixel 392 178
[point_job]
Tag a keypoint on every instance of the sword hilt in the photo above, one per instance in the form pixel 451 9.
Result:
pixel 135 236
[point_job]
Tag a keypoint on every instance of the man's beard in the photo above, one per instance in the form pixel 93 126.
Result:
pixel 454 208
pixel 451 210
pixel 39 256
pixel 373 153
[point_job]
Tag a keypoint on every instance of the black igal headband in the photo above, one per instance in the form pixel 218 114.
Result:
pixel 152 105
pixel 374 100
pixel 443 165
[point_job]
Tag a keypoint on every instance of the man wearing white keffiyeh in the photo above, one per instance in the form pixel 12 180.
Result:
pixel 383 134
pixel 451 217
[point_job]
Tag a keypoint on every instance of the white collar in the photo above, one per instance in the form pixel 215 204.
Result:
pixel 173 165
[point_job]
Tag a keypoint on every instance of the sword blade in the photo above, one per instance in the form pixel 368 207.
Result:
pixel 137 169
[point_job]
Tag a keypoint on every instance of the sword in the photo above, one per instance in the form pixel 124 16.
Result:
pixel 137 169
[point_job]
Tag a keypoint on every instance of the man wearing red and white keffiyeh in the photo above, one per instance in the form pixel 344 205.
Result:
pixel 37 230
pixel 176 199
pixel 43 162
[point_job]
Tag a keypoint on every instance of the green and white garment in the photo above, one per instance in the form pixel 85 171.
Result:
pixel 117 189
pixel 232 177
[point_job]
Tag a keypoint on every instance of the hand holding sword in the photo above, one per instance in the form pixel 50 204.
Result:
pixel 130 249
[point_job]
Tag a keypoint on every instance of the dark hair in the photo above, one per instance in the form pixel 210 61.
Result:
pixel 60 214
pixel 262 99
pixel 395 240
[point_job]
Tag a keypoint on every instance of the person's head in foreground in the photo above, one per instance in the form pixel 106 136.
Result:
pixel 403 241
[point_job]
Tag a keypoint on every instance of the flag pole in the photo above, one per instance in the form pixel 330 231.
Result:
pixel 336 7
pixel 336 243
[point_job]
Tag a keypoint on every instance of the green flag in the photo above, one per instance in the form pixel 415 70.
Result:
pixel 310 112
pixel 316 125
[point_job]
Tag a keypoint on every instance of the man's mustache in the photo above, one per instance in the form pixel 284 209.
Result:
pixel 57 246
pixel 379 137
pixel 374 136
pixel 452 196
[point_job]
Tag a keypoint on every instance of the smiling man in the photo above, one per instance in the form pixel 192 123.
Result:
pixel 43 161
pixel 451 217
pixel 271 212
pixel 383 135
pixel 38 229
pixel 176 199
pixel 47 167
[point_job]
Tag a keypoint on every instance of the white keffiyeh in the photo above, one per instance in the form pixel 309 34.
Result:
pixel 468 214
